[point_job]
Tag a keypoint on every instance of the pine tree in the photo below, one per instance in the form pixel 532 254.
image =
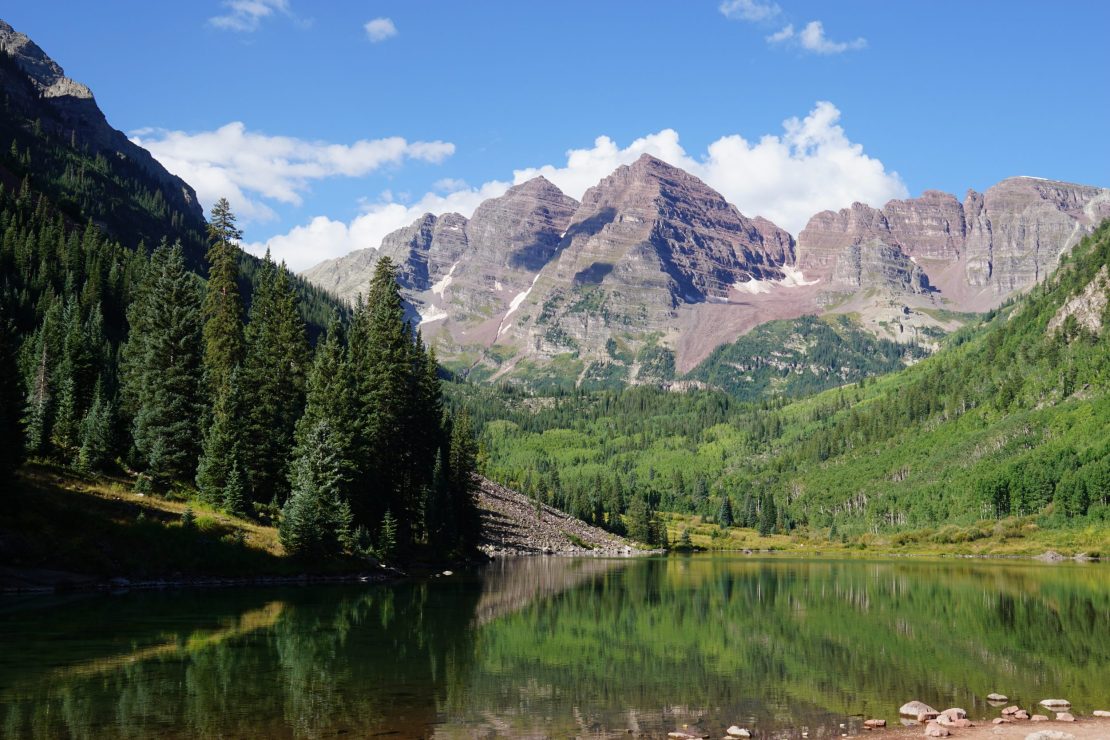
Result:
pixel 767 515
pixel 274 383
pixel 639 520
pixel 316 520
pixel 97 433
pixel 223 442
pixel 235 494
pixel 165 346
pixel 724 515
pixel 11 404
pixel 223 307
pixel 461 480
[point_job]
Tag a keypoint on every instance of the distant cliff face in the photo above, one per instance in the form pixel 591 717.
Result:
pixel 654 269
pixel 973 253
pixel 76 113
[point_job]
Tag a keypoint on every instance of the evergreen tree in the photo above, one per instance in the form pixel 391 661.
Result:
pixel 165 347
pixel 724 514
pixel 223 308
pixel 639 520
pixel 461 480
pixel 235 493
pixel 767 515
pixel 223 442
pixel 273 383
pixel 316 520
pixel 11 403
pixel 97 433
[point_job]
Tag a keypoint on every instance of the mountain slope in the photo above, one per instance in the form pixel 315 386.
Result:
pixel 1010 418
pixel 653 271
pixel 57 143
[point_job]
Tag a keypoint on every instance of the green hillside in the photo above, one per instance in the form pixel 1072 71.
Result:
pixel 1011 418
pixel 801 356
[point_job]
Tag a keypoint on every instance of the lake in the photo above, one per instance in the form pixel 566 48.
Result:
pixel 538 647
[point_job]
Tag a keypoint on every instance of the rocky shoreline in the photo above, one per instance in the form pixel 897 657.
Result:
pixel 1050 719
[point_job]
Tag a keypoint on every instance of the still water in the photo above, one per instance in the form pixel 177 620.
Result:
pixel 560 647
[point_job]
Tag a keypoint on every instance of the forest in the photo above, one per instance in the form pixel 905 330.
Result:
pixel 120 361
pixel 1009 419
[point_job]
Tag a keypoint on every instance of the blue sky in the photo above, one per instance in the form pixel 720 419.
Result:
pixel 266 100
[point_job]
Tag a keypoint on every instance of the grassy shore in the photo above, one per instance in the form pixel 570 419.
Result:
pixel 99 525
pixel 1011 537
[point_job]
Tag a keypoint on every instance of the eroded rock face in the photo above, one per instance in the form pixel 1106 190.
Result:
pixel 1007 238
pixel 645 240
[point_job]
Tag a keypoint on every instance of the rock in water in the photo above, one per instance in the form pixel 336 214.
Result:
pixel 1055 703
pixel 1011 710
pixel 735 731
pixel 1039 718
pixel 873 723
pixel 914 708
pixel 1064 717
pixel 1101 713
pixel 1021 714
pixel 997 697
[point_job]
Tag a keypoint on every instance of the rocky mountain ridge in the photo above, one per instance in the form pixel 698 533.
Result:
pixel 654 269
pixel 75 114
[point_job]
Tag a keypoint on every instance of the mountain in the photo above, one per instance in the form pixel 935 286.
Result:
pixel 64 110
pixel 1003 431
pixel 57 143
pixel 654 270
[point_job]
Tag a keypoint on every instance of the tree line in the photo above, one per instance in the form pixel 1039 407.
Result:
pixel 119 360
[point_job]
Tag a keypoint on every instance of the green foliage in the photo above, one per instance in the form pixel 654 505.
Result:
pixel 316 520
pixel 164 367
pixel 223 309
pixel 1008 418
pixel 801 356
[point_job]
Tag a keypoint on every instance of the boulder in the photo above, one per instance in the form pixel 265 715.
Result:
pixel 1101 713
pixel 1039 718
pixel 950 715
pixel 935 730
pixel 1064 717
pixel 996 697
pixel 914 708
pixel 871 724
pixel 735 731
pixel 1055 703
pixel 1010 710
pixel 1021 714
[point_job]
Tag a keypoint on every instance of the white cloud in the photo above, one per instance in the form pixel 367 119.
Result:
pixel 324 238
pixel 787 32
pixel 811 166
pixel 788 177
pixel 749 10
pixel 380 29
pixel 812 38
pixel 250 168
pixel 247 15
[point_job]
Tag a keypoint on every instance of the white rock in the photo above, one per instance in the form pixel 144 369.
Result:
pixel 1055 703
pixel 735 731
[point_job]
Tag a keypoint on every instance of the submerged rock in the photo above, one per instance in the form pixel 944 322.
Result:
pixel 997 697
